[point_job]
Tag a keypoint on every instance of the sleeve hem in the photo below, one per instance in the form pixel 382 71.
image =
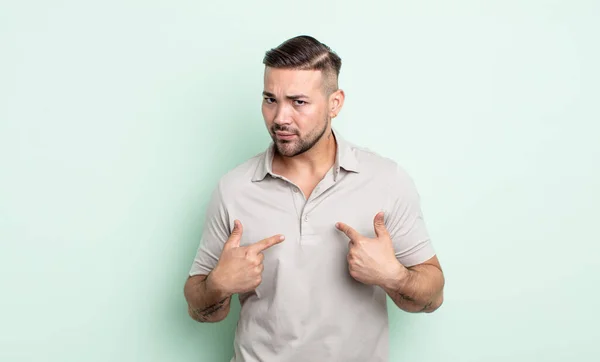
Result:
pixel 418 256
pixel 197 270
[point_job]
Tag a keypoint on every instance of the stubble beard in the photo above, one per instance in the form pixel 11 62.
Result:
pixel 299 145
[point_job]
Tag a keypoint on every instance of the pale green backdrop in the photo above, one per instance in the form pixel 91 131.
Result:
pixel 117 118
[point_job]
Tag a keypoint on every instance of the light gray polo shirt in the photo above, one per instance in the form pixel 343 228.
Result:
pixel 308 308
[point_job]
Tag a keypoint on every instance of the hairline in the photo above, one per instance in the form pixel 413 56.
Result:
pixel 329 78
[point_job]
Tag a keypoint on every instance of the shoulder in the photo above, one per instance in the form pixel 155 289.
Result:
pixel 384 173
pixel 391 178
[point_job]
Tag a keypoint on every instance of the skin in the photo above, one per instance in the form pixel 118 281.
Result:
pixel 298 107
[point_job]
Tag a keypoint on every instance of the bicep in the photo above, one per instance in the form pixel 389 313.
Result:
pixel 430 273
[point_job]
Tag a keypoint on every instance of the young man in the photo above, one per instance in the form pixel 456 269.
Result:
pixel 313 233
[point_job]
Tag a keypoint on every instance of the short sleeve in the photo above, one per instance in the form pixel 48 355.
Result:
pixel 214 234
pixel 405 223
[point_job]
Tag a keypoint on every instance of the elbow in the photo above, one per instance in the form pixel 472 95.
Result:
pixel 195 316
pixel 213 318
pixel 437 302
pixel 435 305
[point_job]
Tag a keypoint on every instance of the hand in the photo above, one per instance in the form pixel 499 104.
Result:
pixel 240 268
pixel 372 261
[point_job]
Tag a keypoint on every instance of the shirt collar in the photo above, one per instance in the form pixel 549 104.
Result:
pixel 345 158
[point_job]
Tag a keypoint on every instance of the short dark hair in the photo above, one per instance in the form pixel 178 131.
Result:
pixel 306 53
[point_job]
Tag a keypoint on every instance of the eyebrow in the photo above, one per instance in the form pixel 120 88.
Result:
pixel 292 97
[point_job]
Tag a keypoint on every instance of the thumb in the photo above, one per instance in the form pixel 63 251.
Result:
pixel 236 235
pixel 379 225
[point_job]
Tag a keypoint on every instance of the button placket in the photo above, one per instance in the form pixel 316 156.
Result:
pixel 305 224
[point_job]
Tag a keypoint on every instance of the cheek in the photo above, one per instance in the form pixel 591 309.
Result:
pixel 309 115
pixel 317 111
pixel 267 114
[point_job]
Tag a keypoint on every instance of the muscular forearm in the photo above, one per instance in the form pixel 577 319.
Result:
pixel 205 302
pixel 417 289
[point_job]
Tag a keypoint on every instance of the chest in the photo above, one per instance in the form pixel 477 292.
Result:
pixel 313 254
pixel 308 224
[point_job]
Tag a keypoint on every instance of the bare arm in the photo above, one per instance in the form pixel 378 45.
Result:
pixel 418 288
pixel 206 303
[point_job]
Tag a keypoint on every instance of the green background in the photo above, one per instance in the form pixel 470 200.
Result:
pixel 117 118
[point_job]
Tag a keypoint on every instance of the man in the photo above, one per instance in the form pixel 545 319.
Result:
pixel 314 233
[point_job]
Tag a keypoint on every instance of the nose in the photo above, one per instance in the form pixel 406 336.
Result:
pixel 282 115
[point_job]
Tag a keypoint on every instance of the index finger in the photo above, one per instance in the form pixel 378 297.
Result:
pixel 348 230
pixel 264 244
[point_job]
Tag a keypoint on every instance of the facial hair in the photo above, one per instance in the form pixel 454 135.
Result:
pixel 300 144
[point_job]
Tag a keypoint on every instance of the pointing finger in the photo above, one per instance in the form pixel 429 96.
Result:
pixel 264 244
pixel 349 231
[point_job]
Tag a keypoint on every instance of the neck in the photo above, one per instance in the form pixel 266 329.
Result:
pixel 316 161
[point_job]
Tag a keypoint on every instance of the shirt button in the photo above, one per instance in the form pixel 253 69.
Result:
pixel 305 217
pixel 295 190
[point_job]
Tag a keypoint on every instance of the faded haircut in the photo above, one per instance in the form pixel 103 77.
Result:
pixel 306 53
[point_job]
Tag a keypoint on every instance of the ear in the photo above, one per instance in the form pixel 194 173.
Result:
pixel 336 101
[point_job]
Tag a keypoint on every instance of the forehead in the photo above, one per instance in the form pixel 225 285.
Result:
pixel 292 80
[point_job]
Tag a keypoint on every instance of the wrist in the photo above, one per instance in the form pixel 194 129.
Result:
pixel 396 277
pixel 215 286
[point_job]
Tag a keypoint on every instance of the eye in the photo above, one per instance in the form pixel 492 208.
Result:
pixel 269 100
pixel 299 102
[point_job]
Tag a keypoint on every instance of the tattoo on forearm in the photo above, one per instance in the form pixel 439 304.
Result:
pixel 426 306
pixel 417 293
pixel 406 298
pixel 205 313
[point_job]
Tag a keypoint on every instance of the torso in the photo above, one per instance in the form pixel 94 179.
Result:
pixel 308 307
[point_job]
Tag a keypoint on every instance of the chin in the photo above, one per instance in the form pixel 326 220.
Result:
pixel 285 149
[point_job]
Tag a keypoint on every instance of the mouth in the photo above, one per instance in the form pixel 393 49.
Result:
pixel 284 136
